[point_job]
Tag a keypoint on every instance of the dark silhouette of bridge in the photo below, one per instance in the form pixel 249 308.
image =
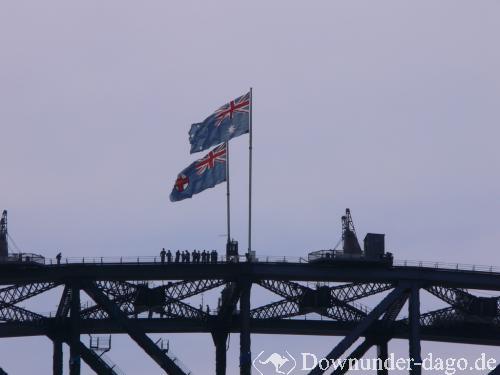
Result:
pixel 125 301
pixel 137 296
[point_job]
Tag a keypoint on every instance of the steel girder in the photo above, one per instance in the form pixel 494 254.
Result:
pixel 436 325
pixel 10 296
pixel 96 362
pixel 91 358
pixel 341 308
pixel 360 328
pixel 20 292
pixel 124 293
pixel 471 279
pixel 135 332
pixel 380 339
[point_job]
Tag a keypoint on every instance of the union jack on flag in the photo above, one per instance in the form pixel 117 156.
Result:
pixel 217 155
pixel 238 105
pixel 229 121
pixel 200 175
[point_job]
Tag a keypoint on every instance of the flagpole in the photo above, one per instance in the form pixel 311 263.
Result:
pixel 228 197
pixel 250 176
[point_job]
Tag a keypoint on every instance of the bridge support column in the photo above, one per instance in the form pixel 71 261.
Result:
pixel 245 350
pixel 414 339
pixel 57 357
pixel 382 355
pixel 220 340
pixel 74 341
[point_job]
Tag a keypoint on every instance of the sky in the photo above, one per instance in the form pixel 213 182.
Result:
pixel 390 108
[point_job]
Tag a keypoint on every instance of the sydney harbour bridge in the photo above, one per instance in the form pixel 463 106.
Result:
pixel 143 296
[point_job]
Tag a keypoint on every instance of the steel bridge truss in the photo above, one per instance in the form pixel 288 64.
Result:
pixel 138 308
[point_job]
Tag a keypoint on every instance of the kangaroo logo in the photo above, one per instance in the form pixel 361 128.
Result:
pixel 277 360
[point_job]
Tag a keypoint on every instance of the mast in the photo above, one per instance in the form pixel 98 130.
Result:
pixel 4 245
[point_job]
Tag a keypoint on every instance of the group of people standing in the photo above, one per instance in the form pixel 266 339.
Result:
pixel 185 256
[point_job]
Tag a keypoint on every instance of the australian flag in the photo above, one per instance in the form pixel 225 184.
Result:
pixel 229 121
pixel 200 175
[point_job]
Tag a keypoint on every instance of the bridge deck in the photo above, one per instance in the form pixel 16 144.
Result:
pixel 485 279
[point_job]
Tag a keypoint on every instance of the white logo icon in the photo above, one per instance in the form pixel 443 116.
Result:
pixel 282 364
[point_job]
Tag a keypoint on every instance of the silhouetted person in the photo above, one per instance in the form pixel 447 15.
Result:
pixel 169 256
pixel 188 257
pixel 204 256
pixel 58 257
pixel 163 253
pixel 177 256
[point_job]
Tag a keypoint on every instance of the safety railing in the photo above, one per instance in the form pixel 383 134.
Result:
pixel 447 266
pixel 159 260
pixel 23 258
pixel 96 260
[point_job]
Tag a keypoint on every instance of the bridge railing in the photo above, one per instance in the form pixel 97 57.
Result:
pixel 158 259
pixel 38 259
pixel 446 266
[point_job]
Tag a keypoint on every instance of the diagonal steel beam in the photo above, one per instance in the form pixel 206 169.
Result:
pixel 388 318
pixel 354 291
pixel 95 362
pixel 90 357
pixel 64 303
pixel 496 371
pixel 356 354
pixel 393 311
pixel 20 292
pixel 124 293
pixel 13 313
pixel 285 289
pixel 343 345
pixel 294 293
pixel 138 335
pixel 185 289
pixel 456 297
pixel 343 311
pixel 341 295
pixel 178 309
pixel 276 310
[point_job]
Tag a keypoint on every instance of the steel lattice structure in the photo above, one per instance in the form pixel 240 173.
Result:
pixel 124 301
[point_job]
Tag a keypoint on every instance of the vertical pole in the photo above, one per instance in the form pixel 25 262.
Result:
pixel 414 339
pixel 220 339
pixel 57 357
pixel 74 355
pixel 250 174
pixel 245 351
pixel 382 354
pixel 227 195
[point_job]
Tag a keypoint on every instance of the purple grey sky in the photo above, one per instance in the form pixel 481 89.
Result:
pixel 390 108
